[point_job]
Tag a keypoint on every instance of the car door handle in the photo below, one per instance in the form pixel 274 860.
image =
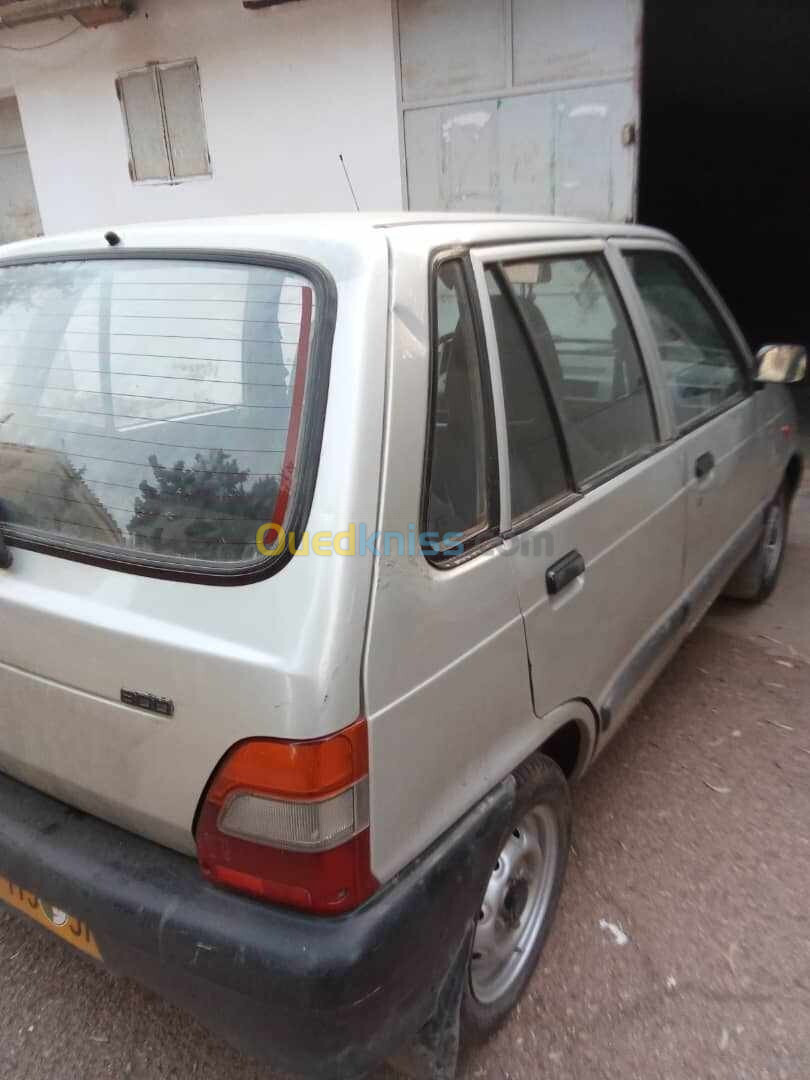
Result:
pixel 704 464
pixel 564 571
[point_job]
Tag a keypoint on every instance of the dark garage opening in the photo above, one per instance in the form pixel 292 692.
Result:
pixel 725 151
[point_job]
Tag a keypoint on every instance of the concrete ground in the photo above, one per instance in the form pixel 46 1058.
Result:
pixel 682 946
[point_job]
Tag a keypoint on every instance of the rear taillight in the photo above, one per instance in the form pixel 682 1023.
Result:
pixel 288 821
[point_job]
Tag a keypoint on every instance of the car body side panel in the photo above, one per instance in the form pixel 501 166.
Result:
pixel 445 674
pixel 436 744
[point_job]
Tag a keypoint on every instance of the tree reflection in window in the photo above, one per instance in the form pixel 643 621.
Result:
pixel 196 509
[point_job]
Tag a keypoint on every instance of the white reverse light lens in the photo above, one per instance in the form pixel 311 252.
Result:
pixel 298 826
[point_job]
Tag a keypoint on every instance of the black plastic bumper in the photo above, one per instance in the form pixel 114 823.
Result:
pixel 326 997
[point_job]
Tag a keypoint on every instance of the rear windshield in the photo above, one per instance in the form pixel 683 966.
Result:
pixel 151 405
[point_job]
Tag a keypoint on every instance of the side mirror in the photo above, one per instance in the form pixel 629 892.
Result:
pixel 781 364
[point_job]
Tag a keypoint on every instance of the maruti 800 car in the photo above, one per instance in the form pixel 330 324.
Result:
pixel 334 549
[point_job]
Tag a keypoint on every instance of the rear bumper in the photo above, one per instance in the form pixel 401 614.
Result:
pixel 326 997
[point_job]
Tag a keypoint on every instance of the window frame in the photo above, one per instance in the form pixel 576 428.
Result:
pixel 490 256
pixel 154 68
pixel 308 449
pixel 487 536
pixel 705 288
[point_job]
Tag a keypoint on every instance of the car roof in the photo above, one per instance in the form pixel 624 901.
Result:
pixel 318 234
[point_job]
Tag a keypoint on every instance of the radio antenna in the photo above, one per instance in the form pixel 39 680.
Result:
pixel 349 182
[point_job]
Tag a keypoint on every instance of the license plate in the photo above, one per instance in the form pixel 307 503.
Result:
pixel 59 922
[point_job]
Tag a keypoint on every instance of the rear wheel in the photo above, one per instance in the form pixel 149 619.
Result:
pixel 521 897
pixel 756 579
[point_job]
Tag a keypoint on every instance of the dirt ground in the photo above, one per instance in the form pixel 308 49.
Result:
pixel 682 947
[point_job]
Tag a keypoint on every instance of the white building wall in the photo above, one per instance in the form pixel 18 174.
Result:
pixel 285 90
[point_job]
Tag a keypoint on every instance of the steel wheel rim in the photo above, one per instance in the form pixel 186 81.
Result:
pixel 774 539
pixel 513 911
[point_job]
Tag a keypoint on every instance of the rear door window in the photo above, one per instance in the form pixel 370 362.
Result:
pixel 572 314
pixel 152 406
pixel 702 364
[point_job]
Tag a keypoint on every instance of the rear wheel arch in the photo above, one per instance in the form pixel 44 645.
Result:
pixel 571 737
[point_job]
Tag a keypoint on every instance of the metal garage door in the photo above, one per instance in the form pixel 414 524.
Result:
pixel 19 213
pixel 520 105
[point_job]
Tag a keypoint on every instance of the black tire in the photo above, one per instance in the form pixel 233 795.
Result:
pixel 541 789
pixel 756 578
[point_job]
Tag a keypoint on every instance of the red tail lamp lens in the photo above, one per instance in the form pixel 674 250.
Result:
pixel 288 821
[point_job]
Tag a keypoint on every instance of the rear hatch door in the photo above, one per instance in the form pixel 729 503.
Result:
pixel 155 413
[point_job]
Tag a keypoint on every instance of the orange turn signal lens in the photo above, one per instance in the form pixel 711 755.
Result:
pixel 302 770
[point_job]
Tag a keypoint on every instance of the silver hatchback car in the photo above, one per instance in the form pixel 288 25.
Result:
pixel 333 550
